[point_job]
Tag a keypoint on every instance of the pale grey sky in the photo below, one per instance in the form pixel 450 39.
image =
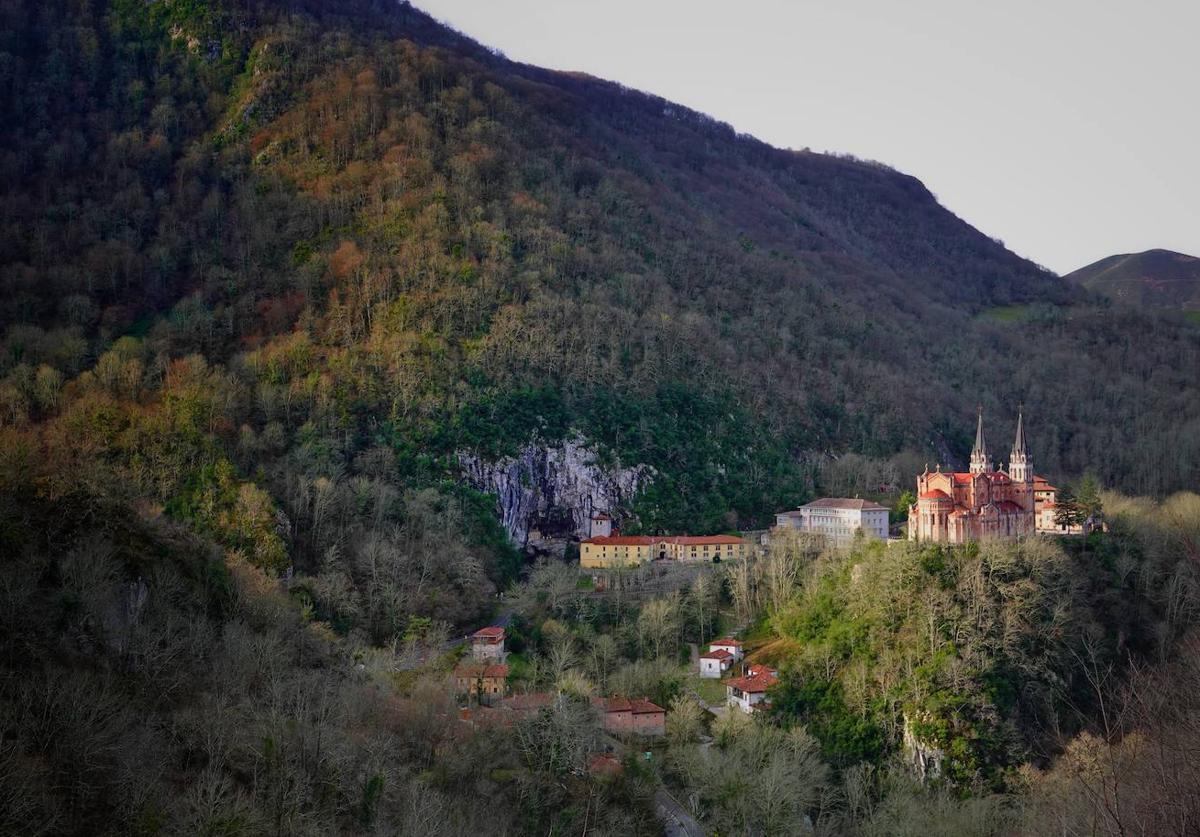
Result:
pixel 1066 128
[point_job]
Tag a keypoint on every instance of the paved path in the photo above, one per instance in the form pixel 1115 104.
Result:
pixel 677 822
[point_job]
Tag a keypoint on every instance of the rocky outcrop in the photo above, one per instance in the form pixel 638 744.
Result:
pixel 924 760
pixel 547 494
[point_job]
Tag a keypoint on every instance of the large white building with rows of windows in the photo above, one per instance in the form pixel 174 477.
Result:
pixel 837 518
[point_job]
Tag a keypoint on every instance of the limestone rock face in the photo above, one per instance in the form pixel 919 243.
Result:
pixel 547 494
pixel 924 760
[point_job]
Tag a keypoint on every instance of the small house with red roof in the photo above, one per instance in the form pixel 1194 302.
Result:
pixel 728 644
pixel 488 644
pixel 715 663
pixel 622 716
pixel 749 692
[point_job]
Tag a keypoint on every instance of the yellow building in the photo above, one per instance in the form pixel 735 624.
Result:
pixel 611 551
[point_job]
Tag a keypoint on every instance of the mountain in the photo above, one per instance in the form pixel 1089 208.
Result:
pixel 318 318
pixel 1155 278
pixel 390 237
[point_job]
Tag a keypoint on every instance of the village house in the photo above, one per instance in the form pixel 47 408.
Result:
pixel 487 644
pixel 839 519
pixel 604 764
pixel 721 656
pixel 727 644
pixel 622 716
pixel 749 693
pixel 715 663
pixel 486 682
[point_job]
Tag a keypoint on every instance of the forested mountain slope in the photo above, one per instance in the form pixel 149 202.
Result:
pixel 387 237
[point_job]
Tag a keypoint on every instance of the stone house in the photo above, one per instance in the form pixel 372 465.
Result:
pixel 487 682
pixel 622 716
pixel 487 644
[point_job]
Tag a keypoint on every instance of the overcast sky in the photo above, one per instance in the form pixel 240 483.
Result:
pixel 1067 128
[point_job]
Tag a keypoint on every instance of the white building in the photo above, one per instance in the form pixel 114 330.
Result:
pixel 838 518
pixel 715 663
pixel 732 646
pixel 749 693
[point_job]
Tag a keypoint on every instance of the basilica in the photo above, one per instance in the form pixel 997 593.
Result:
pixel 956 507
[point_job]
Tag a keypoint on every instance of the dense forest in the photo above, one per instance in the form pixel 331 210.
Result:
pixel 271 268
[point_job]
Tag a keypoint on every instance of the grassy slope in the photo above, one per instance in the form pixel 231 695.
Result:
pixel 1155 278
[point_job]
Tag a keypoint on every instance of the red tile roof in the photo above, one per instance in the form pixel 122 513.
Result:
pixel 687 540
pixel 638 706
pixel 612 704
pixel 719 654
pixel 525 702
pixel 755 683
pixel 725 641
pixel 488 632
pixel 935 494
pixel 648 540
pixel 623 540
pixel 603 765
pixel 843 503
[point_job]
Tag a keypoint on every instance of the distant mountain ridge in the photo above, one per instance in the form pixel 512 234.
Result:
pixel 1154 278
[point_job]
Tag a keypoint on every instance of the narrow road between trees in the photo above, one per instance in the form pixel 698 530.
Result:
pixel 676 821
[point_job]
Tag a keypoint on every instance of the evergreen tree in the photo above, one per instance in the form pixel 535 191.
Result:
pixel 1067 513
pixel 1088 498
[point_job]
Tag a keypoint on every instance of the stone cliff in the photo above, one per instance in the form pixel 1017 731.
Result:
pixel 546 495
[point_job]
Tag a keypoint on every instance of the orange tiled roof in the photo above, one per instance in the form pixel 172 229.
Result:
pixel 935 494
pixel 719 654
pixel 638 706
pixel 725 641
pixel 623 540
pixel 648 540
pixel 756 682
pixel 532 700
pixel 488 632
pixel 603 765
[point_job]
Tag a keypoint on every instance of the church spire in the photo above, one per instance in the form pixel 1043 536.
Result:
pixel 1020 465
pixel 980 463
pixel 1019 443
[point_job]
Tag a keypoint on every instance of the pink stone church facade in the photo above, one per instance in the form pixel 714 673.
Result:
pixel 956 507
